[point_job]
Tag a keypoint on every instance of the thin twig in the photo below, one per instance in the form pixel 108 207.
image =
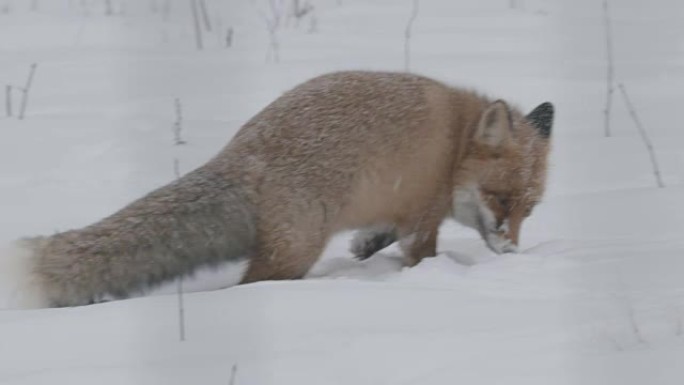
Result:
pixel 233 374
pixel 178 124
pixel 634 324
pixel 679 322
pixel 26 90
pixel 205 15
pixel 179 287
pixel 229 37
pixel 407 36
pixel 300 10
pixel 276 11
pixel 313 24
pixel 176 168
pixel 166 10
pixel 623 298
pixel 610 70
pixel 8 100
pixel 181 311
pixel 273 52
pixel 273 25
pixel 198 28
pixel 85 7
pixel 644 136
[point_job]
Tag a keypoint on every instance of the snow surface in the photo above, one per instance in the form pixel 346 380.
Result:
pixel 595 297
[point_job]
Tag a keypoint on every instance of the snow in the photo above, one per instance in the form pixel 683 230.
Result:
pixel 596 295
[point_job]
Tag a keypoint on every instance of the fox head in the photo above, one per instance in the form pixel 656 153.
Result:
pixel 502 176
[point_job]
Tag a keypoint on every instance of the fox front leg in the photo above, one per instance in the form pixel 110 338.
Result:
pixel 369 241
pixel 419 245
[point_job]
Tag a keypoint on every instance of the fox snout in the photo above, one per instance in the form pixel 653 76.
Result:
pixel 500 242
pixel 499 231
pixel 504 239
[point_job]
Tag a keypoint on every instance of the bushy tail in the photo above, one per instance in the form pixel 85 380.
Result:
pixel 201 220
pixel 19 287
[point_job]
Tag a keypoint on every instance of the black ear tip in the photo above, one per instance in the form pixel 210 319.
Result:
pixel 542 118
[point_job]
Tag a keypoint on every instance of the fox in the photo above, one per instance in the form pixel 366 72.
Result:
pixel 389 154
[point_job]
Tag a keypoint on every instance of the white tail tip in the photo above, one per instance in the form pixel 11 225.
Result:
pixel 19 288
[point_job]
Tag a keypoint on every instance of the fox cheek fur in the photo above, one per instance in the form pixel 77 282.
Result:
pixel 391 152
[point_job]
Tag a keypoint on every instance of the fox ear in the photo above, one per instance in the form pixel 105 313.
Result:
pixel 494 128
pixel 542 118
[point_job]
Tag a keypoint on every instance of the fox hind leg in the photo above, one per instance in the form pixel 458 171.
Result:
pixel 369 241
pixel 283 259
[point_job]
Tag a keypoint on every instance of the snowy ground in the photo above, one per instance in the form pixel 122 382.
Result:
pixel 596 296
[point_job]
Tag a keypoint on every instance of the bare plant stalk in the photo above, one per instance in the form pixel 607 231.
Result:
pixel 233 374
pixel 313 24
pixel 8 100
pixel 198 28
pixel 229 37
pixel 34 5
pixel 407 36
pixel 678 321
pixel 610 70
pixel 178 124
pixel 166 9
pixel 85 8
pixel 205 15
pixel 26 90
pixel 181 306
pixel 517 4
pixel 274 46
pixel 300 10
pixel 277 7
pixel 108 8
pixel 273 25
pixel 644 136
pixel 635 325
pixel 179 286
pixel 623 298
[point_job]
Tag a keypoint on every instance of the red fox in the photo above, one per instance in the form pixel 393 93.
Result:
pixel 392 153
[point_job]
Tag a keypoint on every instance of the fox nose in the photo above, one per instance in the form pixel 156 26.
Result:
pixel 500 243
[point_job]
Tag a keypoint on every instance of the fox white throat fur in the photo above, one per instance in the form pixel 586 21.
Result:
pixel 392 153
